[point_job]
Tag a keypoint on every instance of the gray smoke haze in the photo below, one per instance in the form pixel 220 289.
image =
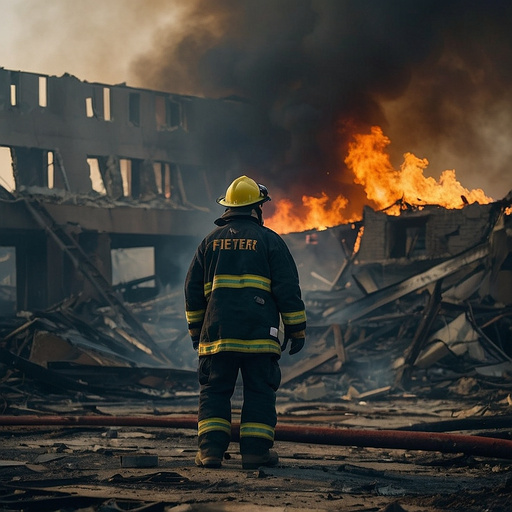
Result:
pixel 436 75
pixel 91 39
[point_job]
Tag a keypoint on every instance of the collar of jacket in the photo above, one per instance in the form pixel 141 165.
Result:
pixel 237 214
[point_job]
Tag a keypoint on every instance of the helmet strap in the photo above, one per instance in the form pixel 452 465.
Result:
pixel 259 213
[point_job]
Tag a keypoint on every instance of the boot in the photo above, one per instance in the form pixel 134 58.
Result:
pixel 269 459
pixel 208 460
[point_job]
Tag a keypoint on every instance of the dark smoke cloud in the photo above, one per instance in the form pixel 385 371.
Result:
pixel 434 74
pixel 457 110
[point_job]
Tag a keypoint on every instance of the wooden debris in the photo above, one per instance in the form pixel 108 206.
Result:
pixel 420 336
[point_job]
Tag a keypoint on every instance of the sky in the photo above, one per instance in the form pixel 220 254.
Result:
pixel 93 40
pixel 435 75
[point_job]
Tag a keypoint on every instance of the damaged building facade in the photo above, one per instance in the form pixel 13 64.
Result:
pixel 412 309
pixel 115 167
pixel 99 171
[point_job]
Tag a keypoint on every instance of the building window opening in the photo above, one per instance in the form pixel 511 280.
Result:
pixel 168 113
pixel 89 109
pixel 163 178
pixel 15 88
pixel 6 172
pixel 14 95
pixel 107 115
pixel 95 176
pixel 43 93
pixel 7 281
pixel 125 166
pixel 50 169
pixel 134 108
pixel 173 112
pixel 157 168
pixel 133 272
pixel 408 238
pixel 167 181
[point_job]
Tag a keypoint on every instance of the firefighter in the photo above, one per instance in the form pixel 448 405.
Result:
pixel 241 282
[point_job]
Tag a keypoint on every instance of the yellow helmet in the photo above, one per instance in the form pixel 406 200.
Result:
pixel 244 191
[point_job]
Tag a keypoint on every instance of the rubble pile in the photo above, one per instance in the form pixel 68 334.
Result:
pixel 438 313
pixel 377 327
pixel 82 351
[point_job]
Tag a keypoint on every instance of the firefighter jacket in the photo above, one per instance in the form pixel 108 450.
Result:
pixel 241 281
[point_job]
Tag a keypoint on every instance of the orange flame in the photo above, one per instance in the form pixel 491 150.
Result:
pixel 319 213
pixel 384 187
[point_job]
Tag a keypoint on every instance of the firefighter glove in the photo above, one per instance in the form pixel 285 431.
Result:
pixel 297 345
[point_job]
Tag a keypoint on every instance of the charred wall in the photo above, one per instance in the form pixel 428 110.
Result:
pixel 116 168
pixel 160 136
pixel 430 233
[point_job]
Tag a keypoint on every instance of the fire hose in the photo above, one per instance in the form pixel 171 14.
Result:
pixel 392 439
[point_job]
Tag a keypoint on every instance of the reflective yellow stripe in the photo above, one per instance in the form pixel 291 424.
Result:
pixel 257 430
pixel 293 318
pixel 234 345
pixel 210 424
pixel 195 316
pixel 237 281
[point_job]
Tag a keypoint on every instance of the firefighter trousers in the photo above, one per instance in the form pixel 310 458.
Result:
pixel 218 375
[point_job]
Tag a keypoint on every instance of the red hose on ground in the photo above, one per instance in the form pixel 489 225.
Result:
pixel 395 439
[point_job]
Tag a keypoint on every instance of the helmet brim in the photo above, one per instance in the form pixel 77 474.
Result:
pixel 222 201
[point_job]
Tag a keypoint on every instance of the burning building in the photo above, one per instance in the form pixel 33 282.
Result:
pixel 110 167
pixel 106 204
pixel 407 279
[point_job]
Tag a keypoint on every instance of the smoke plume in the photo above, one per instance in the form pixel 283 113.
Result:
pixel 435 75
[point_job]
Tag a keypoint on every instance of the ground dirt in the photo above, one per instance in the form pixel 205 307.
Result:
pixel 78 468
